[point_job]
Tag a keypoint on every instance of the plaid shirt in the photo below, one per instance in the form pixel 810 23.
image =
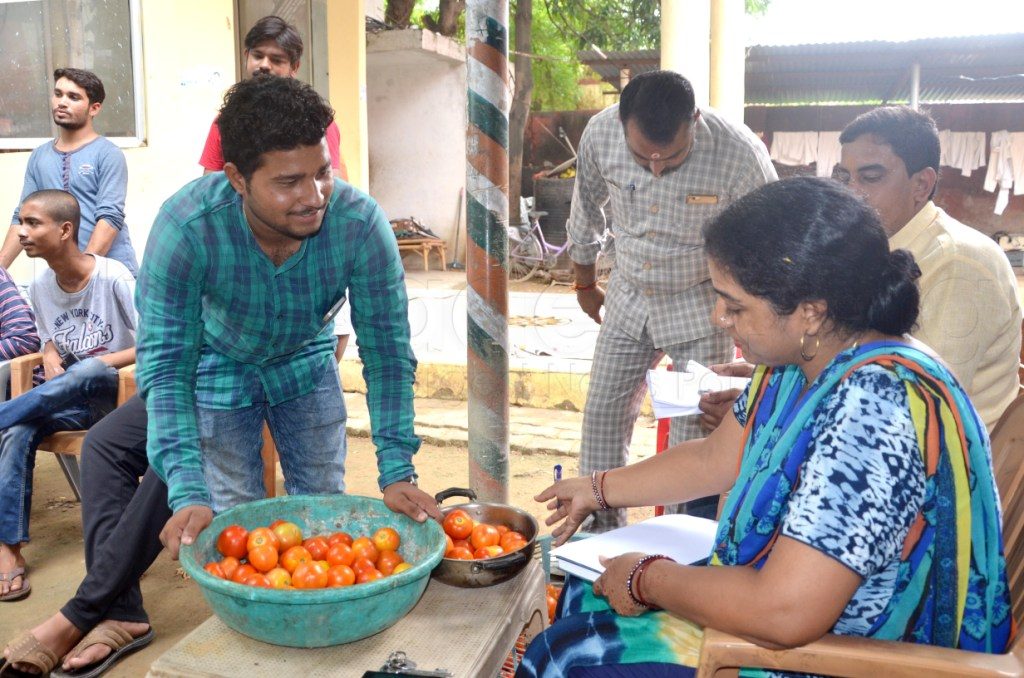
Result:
pixel 661 278
pixel 222 328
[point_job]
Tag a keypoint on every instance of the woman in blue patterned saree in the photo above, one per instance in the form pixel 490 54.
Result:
pixel 861 496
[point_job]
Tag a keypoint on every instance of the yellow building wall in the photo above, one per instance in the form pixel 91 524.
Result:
pixel 188 56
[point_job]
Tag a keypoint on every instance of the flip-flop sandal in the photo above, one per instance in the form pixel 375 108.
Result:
pixel 113 636
pixel 16 594
pixel 25 649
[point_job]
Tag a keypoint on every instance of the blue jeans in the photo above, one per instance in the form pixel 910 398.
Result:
pixel 309 432
pixel 74 400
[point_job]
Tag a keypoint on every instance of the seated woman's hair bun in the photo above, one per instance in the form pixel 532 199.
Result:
pixel 894 308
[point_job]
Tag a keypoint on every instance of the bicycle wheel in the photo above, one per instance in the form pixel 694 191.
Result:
pixel 524 258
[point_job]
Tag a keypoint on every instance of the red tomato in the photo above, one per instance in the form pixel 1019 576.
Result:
pixel 294 557
pixel 317 547
pixel 513 545
pixel 259 580
pixel 492 551
pixel 232 541
pixel 387 561
pixel 340 575
pixel 458 524
pixel 401 567
pixel 275 523
pixel 340 554
pixel 552 605
pixel 262 536
pixel 464 543
pixel 373 574
pixel 279 578
pixel 288 534
pixel 449 544
pixel 340 536
pixel 510 537
pixel 263 558
pixel 460 553
pixel 502 529
pixel 229 565
pixel 360 564
pixel 386 539
pixel 242 572
pixel 309 576
pixel 364 548
pixel 484 535
pixel 215 569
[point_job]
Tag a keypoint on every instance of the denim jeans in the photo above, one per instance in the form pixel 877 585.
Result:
pixel 309 432
pixel 74 400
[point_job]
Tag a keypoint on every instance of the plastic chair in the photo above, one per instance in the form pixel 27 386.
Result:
pixel 833 655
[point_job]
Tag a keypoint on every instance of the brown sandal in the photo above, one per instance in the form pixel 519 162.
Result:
pixel 15 594
pixel 25 649
pixel 113 636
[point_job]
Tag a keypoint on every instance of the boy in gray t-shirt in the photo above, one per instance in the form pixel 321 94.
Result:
pixel 86 321
pixel 97 319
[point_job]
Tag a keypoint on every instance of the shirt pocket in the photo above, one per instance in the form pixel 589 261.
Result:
pixel 690 219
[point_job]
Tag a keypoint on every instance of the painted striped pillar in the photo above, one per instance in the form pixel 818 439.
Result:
pixel 489 96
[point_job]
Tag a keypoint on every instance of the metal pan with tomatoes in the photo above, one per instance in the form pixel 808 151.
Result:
pixel 486 571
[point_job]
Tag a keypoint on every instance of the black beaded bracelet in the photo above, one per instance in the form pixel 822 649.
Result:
pixel 636 573
pixel 598 494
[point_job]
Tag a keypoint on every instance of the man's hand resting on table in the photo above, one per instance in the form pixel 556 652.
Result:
pixel 184 526
pixel 717 405
pixel 404 497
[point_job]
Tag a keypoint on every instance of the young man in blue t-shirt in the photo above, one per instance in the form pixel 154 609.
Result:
pixel 85 164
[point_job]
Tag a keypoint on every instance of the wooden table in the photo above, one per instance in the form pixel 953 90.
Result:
pixel 469 632
pixel 425 246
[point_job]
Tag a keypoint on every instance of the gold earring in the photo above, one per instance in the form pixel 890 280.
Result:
pixel 803 351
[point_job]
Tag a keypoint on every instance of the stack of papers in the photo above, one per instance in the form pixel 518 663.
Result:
pixel 677 394
pixel 685 539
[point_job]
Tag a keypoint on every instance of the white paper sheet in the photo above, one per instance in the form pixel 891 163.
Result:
pixel 686 539
pixel 677 394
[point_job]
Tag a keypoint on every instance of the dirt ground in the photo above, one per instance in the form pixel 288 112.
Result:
pixel 175 606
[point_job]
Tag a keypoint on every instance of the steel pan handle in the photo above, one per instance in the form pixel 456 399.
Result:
pixel 508 562
pixel 455 492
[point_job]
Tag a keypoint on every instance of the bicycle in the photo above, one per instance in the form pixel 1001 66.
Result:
pixel 528 251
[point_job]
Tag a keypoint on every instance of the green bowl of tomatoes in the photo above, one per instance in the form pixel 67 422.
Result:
pixel 317 617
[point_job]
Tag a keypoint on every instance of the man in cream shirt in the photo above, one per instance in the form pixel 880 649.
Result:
pixel 970 313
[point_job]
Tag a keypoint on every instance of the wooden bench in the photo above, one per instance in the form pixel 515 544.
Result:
pixel 424 246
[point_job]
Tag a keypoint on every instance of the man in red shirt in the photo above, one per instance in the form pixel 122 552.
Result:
pixel 273 46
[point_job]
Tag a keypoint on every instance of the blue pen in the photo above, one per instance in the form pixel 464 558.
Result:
pixel 558 476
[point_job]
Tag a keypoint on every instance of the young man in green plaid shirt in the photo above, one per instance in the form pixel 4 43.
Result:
pixel 243 273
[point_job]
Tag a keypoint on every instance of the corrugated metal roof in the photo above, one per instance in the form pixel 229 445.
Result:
pixel 953 70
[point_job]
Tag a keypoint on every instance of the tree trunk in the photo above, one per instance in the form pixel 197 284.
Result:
pixel 398 12
pixel 449 16
pixel 520 109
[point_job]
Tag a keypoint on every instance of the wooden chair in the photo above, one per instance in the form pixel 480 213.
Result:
pixel 722 654
pixel 67 445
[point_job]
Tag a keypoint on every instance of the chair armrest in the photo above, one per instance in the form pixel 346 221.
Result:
pixel 852 656
pixel 21 373
pixel 126 387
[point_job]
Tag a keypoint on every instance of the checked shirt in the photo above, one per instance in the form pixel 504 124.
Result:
pixel 661 276
pixel 221 326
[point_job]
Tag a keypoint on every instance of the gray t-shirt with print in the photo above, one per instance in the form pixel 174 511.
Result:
pixel 98 319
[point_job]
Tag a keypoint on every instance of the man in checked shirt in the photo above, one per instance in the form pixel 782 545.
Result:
pixel 664 168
